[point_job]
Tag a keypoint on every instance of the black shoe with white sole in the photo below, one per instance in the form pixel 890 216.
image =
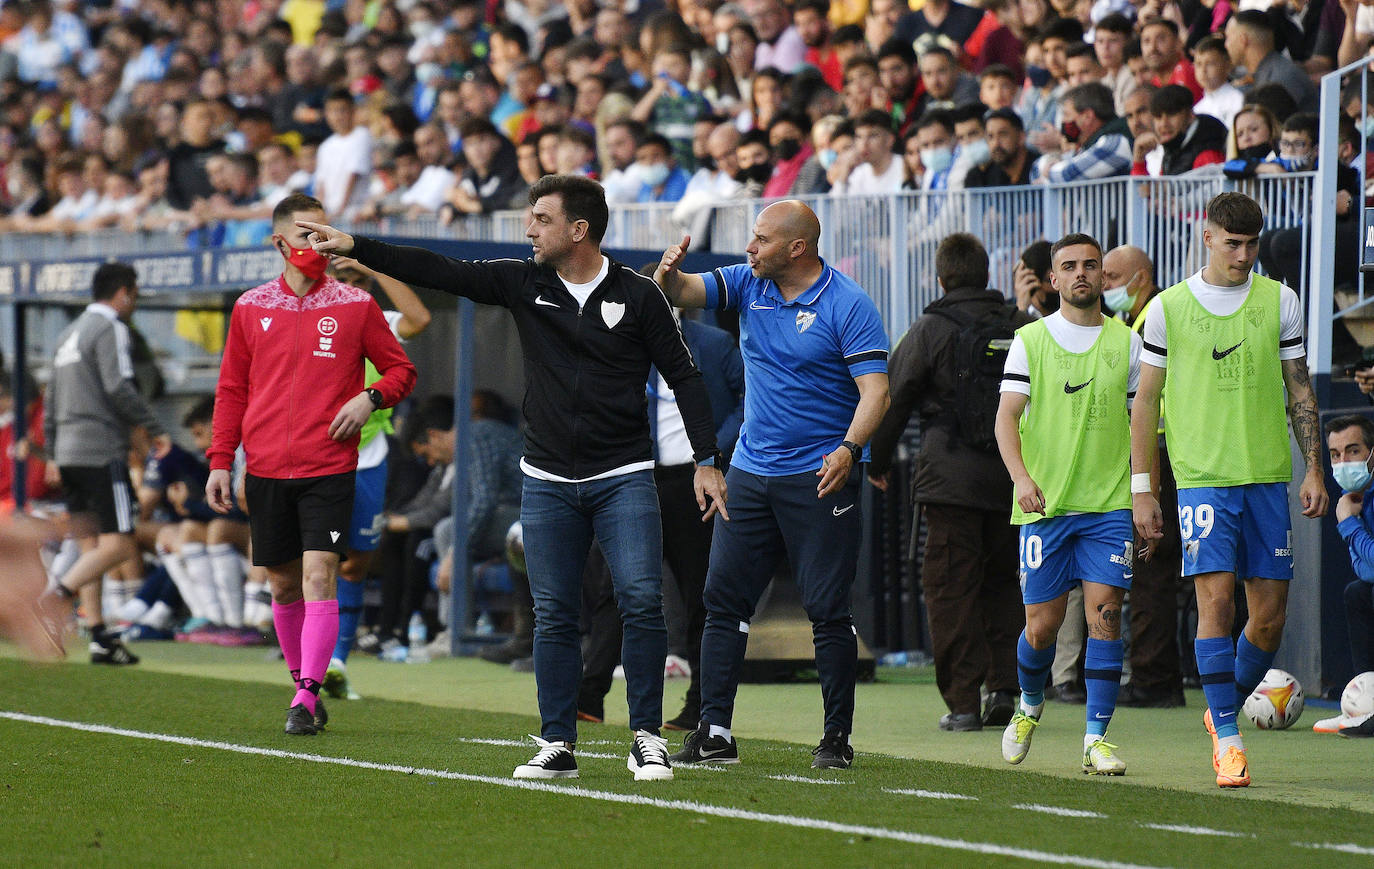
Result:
pixel 299 721
pixel 553 760
pixel 701 747
pixel 649 757
pixel 834 752
pixel 110 649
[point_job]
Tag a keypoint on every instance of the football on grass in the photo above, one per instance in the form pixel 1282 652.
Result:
pixel 1277 702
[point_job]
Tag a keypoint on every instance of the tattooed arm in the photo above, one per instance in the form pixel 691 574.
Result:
pixel 1302 413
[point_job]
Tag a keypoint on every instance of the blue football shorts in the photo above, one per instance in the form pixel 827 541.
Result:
pixel 1060 552
pixel 1245 530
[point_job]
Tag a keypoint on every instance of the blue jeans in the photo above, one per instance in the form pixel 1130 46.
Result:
pixel 559 520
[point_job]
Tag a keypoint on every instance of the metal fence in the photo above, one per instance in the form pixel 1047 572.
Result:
pixel 886 243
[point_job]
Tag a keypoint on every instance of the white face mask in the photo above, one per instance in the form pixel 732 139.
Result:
pixel 1119 299
pixel 975 153
pixel 723 43
pixel 653 174
pixel 1352 476
pixel 936 160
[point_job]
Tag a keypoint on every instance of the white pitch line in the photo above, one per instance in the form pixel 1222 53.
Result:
pixel 808 781
pixel 1327 846
pixel 729 812
pixel 929 795
pixel 1058 810
pixel 1196 831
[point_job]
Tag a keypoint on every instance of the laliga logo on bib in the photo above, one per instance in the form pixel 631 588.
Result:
pixel 804 320
pixel 327 325
pixel 611 312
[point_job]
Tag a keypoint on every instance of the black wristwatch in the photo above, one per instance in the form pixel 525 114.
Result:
pixel 717 460
pixel 854 450
pixel 376 396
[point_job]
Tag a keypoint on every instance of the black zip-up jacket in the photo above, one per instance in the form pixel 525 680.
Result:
pixel 585 370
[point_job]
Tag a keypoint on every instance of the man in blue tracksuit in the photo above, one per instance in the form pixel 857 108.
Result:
pixel 1349 439
pixel 815 367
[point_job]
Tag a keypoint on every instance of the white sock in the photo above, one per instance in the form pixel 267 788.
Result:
pixel 1225 742
pixel 203 578
pixel 257 604
pixel 1090 738
pixel 1032 711
pixel 66 556
pixel 224 566
pixel 717 730
pixel 159 616
pixel 133 610
pixel 176 569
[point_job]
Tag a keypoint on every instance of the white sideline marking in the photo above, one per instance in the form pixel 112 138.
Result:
pixel 930 795
pixel 1196 831
pixel 1057 810
pixel 520 743
pixel 807 781
pixel 1327 846
pixel 606 796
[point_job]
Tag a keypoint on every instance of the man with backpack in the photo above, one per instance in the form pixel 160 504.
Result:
pixel 948 367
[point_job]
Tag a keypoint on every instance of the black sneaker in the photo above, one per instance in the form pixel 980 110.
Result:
pixel 321 716
pixel 299 721
pixel 554 760
pixel 649 757
pixel 110 649
pixel 701 747
pixel 686 720
pixel 834 752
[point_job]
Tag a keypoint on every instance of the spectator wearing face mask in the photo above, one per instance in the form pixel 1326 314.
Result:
pixel 754 160
pixel 660 178
pixel 1281 250
pixel 1101 141
pixel 791 150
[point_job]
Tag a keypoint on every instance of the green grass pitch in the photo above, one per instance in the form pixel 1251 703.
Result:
pixel 181 761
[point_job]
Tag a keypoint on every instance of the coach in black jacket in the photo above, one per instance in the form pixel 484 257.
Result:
pixel 589 328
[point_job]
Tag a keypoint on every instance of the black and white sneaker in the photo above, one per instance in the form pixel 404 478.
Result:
pixel 649 757
pixel 701 747
pixel 110 649
pixel 554 760
pixel 299 721
pixel 834 752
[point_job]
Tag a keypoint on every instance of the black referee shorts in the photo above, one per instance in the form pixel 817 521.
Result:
pixel 289 517
pixel 103 493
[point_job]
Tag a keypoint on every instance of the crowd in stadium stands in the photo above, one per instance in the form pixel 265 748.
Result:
pixel 197 117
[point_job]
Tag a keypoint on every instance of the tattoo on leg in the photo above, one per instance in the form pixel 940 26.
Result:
pixel 1107 626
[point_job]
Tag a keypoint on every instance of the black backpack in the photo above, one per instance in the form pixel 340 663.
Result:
pixel 980 355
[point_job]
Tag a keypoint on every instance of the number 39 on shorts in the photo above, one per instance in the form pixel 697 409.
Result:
pixel 1032 551
pixel 1197 519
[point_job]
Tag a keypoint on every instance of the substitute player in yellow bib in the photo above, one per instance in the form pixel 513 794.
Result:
pixel 1063 429
pixel 1230 344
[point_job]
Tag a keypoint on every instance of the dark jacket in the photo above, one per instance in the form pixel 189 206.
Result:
pixel 722 370
pixel 1205 136
pixel 585 369
pixel 922 374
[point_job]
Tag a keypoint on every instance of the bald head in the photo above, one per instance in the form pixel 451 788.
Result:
pixel 1121 263
pixel 792 219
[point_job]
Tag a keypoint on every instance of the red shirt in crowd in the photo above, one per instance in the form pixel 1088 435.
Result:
pixel 1182 74
pixel 290 363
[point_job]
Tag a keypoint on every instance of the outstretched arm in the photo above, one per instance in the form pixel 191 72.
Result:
pixel 685 291
pixel 1302 413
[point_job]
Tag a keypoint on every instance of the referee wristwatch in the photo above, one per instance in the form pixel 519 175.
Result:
pixel 854 450
pixel 376 396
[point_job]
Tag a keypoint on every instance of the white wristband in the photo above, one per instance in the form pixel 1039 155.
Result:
pixel 1140 484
